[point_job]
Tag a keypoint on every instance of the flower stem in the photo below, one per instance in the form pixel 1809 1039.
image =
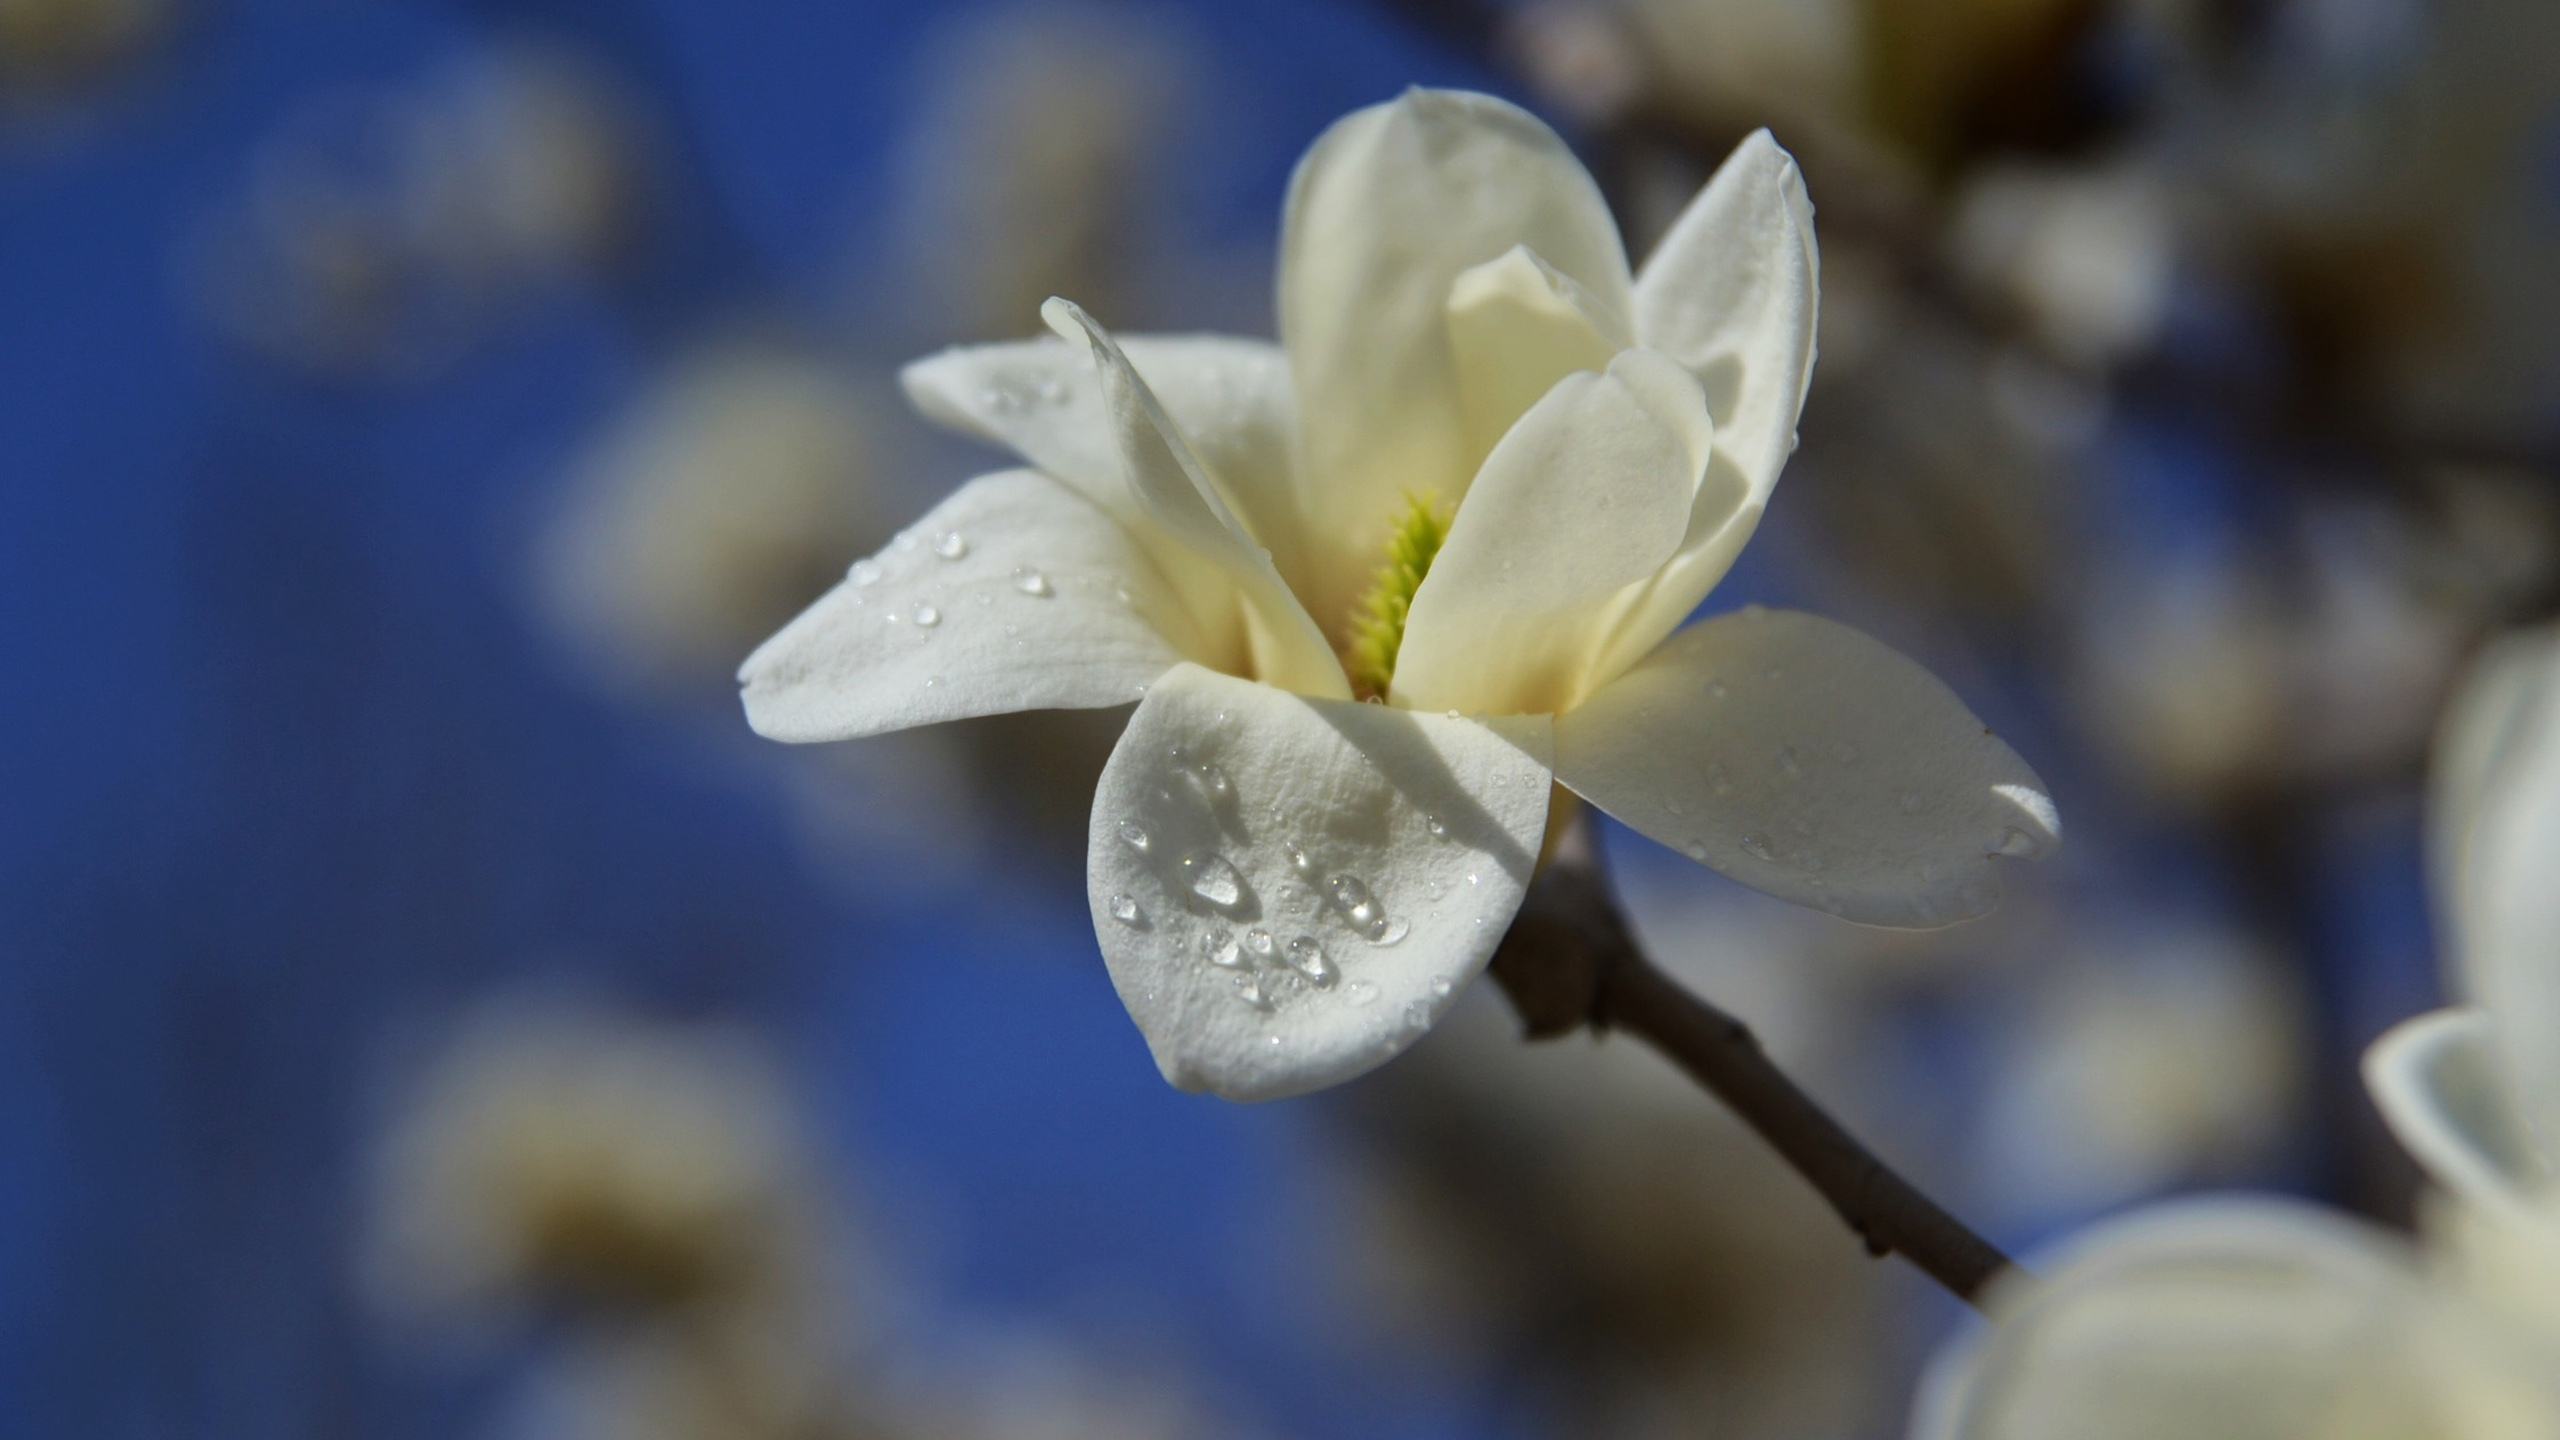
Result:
pixel 1570 961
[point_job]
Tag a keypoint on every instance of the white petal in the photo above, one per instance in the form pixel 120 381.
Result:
pixel 1388 208
pixel 1732 293
pixel 1029 616
pixel 2510 938
pixel 1216 790
pixel 2438 1083
pixel 2233 1320
pixel 1179 497
pixel 1517 325
pixel 1585 498
pixel 1041 399
pixel 1807 760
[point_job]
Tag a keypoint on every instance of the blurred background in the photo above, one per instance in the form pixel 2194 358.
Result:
pixel 429 1012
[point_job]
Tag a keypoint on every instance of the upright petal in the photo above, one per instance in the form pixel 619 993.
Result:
pixel 1807 760
pixel 1388 208
pixel 2440 1087
pixel 1517 325
pixel 1041 399
pixel 1732 293
pixel 1289 890
pixel 1007 596
pixel 2509 908
pixel 1182 500
pixel 1586 497
pixel 2234 1320
pixel 2504 699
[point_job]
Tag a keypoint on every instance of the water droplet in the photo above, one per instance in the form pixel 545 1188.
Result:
pixel 2015 842
pixel 1259 942
pixel 1121 593
pixel 1135 836
pixel 1695 850
pixel 1454 715
pixel 1126 911
pixel 932 682
pixel 1789 764
pixel 1308 959
pixel 1299 862
pixel 865 572
pixel 1249 990
pixel 925 615
pixel 1719 779
pixel 1417 1017
pixel 951 545
pixel 905 544
pixel 1474 879
pixel 1213 879
pixel 1218 947
pixel 1911 802
pixel 1360 992
pixel 1052 389
pixel 1756 845
pixel 1353 899
pixel 1031 582
pixel 1212 779
pixel 1439 831
pixel 1391 931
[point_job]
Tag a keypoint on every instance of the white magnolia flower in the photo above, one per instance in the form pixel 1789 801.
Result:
pixel 1486 475
pixel 2474 1091
pixel 2268 1321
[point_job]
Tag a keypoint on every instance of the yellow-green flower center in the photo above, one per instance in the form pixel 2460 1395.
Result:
pixel 1377 618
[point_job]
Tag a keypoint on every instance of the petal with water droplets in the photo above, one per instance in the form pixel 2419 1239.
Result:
pixel 862 660
pixel 1807 760
pixel 1353 789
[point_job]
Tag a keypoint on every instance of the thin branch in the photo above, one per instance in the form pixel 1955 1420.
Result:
pixel 1570 962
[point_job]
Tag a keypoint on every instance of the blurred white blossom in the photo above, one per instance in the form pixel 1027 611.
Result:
pixel 1289 885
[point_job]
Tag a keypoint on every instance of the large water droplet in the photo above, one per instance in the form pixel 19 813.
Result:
pixel 1219 948
pixel 1249 990
pixel 1214 880
pixel 865 572
pixel 1135 836
pixel 1126 911
pixel 1308 959
pixel 1353 899
pixel 1391 931
pixel 1031 582
pixel 905 544
pixel 1258 941
pixel 925 615
pixel 1212 779
pixel 1695 850
pixel 951 545
pixel 1757 846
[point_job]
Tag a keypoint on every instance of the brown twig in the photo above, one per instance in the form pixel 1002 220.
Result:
pixel 1570 962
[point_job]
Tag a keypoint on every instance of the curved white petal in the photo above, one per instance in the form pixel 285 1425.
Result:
pixel 1584 498
pixel 1040 398
pixel 1732 293
pixel 1028 615
pixel 1388 208
pixel 1802 758
pixel 2234 1320
pixel 2510 932
pixel 1285 647
pixel 1517 325
pixel 2438 1083
pixel 1217 790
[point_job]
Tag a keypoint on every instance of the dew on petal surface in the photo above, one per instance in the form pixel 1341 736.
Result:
pixel 1135 836
pixel 1757 847
pixel 925 615
pixel 1125 910
pixel 1031 582
pixel 951 545
pixel 1219 948
pixel 1307 957
pixel 1213 879
pixel 1388 931
pixel 865 572
pixel 1259 942
pixel 1360 992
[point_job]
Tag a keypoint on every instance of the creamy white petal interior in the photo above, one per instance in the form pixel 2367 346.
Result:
pixel 1289 890
pixel 1387 210
pixel 1587 496
pixel 2509 935
pixel 1014 594
pixel 1732 292
pixel 1178 496
pixel 2438 1082
pixel 1517 325
pixel 1802 758
pixel 2234 1320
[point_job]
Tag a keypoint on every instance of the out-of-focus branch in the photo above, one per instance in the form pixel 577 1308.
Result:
pixel 1570 961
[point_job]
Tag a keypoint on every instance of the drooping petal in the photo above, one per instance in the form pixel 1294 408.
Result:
pixel 2439 1085
pixel 1731 293
pixel 1584 498
pixel 1181 499
pixel 2234 1320
pixel 1517 325
pixel 1041 399
pixel 1006 596
pixel 2509 932
pixel 1388 208
pixel 1230 829
pixel 1802 758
